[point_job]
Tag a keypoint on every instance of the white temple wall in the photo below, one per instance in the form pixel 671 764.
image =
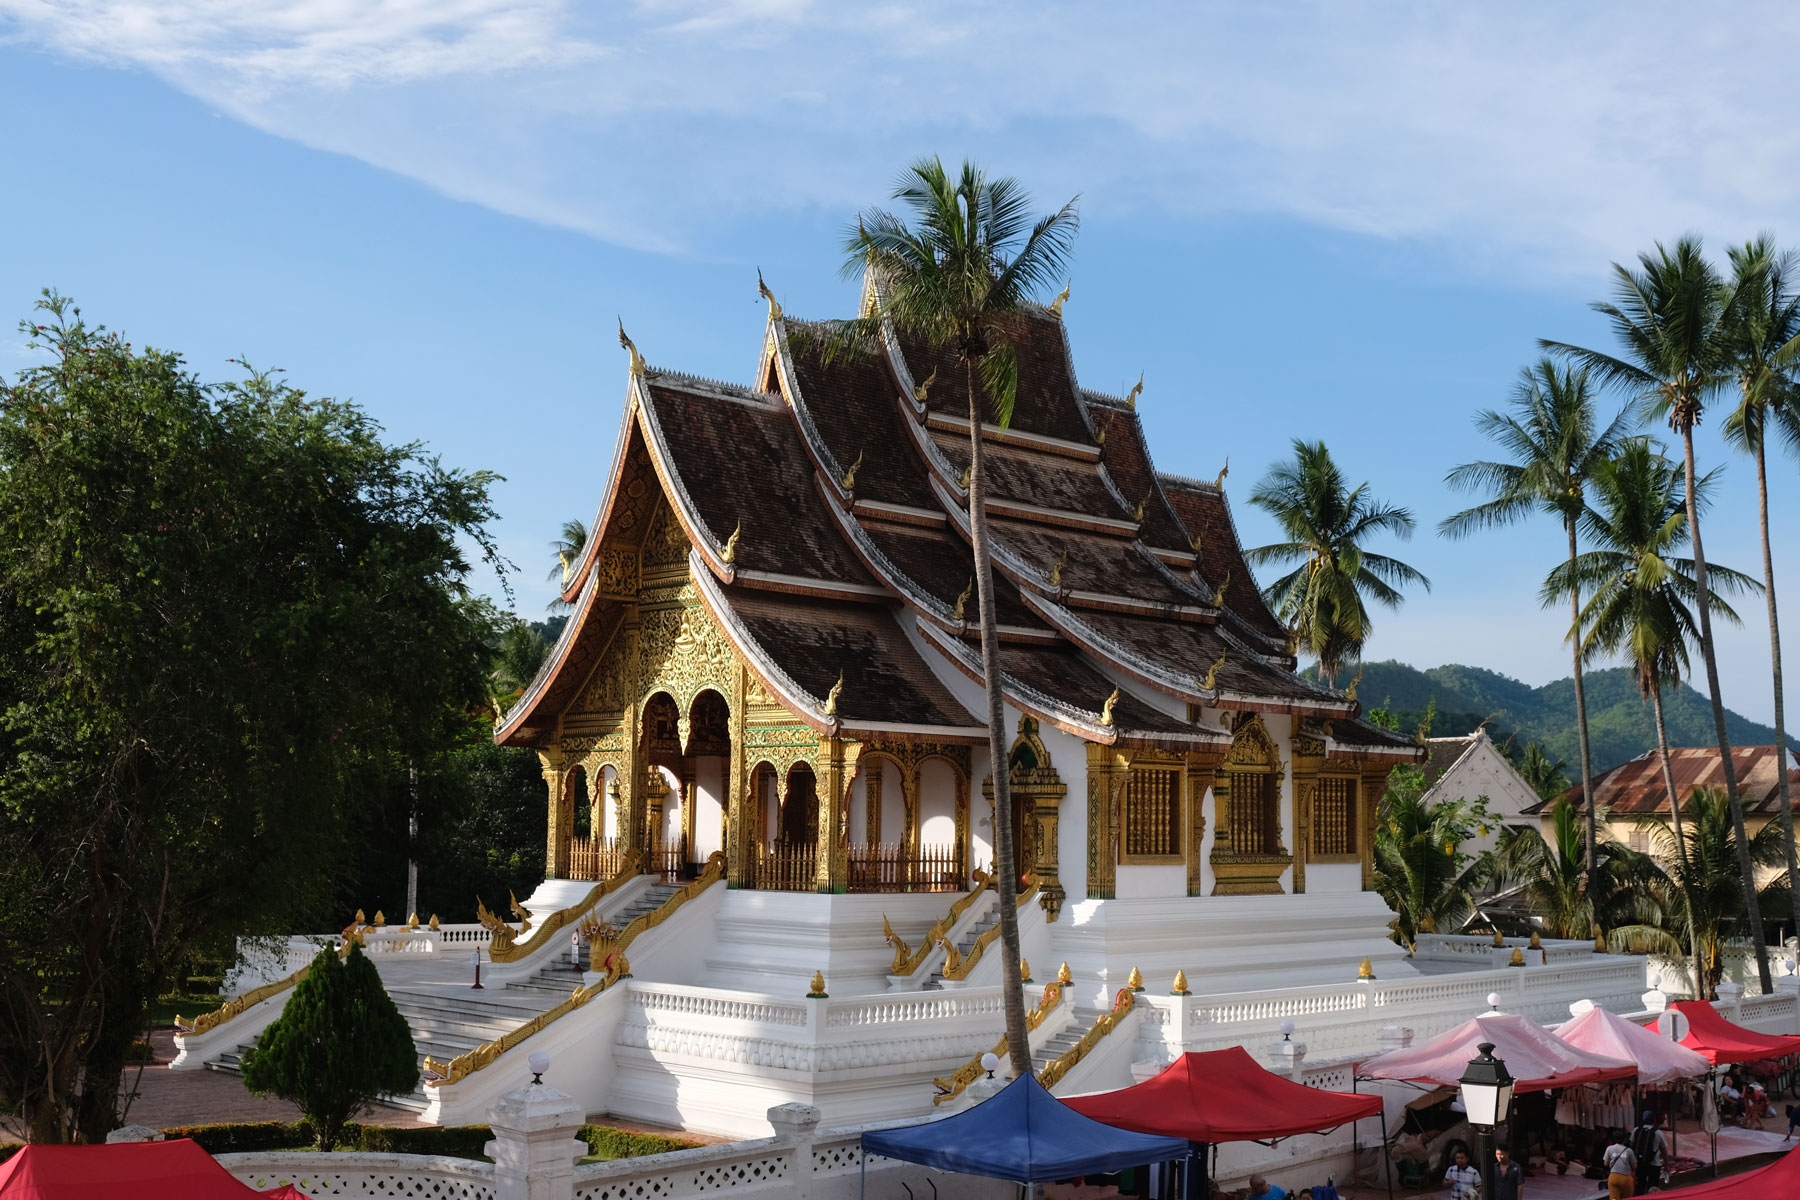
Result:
pixel 610 819
pixel 671 813
pixel 1068 754
pixel 937 803
pixel 1334 877
pixel 1150 883
pixel 709 806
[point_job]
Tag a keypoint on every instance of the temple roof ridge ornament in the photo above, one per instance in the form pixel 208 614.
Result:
pixel 1137 389
pixel 637 360
pixel 848 482
pixel 1062 298
pixel 1225 470
pixel 829 708
pixel 763 290
pixel 1106 709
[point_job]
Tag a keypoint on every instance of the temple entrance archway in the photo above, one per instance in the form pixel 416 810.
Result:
pixel 706 766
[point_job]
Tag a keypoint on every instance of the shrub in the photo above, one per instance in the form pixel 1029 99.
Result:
pixel 236 1137
pixel 456 1141
pixel 338 1045
pixel 604 1141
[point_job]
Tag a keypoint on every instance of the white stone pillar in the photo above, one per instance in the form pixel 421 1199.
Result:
pixel 1393 1037
pixel 1285 1057
pixel 534 1150
pixel 1731 1000
pixel 795 1125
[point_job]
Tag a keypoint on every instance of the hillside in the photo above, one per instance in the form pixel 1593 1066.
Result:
pixel 1621 724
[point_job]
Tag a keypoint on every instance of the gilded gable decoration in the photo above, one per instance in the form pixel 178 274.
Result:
pixel 1248 857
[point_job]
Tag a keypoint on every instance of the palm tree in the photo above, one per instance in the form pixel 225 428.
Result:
pixel 1706 891
pixel 567 547
pixel 1420 869
pixel 1763 334
pixel 518 658
pixel 1543 773
pixel 1326 523
pixel 1556 885
pixel 1641 595
pixel 958 277
pixel 1554 439
pixel 1673 316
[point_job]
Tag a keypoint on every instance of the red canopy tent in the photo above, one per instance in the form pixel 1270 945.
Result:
pixel 1723 1042
pixel 1539 1060
pixel 172 1170
pixel 1779 1178
pixel 1224 1096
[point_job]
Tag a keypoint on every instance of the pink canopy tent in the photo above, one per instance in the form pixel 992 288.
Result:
pixel 1658 1059
pixel 1538 1060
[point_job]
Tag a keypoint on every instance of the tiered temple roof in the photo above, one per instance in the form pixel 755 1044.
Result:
pixel 827 528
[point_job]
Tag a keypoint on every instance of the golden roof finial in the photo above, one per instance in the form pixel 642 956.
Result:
pixel 1223 472
pixel 1218 597
pixel 1194 543
pixel 1064 976
pixel 1100 432
pixel 1137 514
pixel 962 601
pixel 1350 692
pixel 1061 297
pixel 1135 980
pixel 849 479
pixel 1106 713
pixel 1212 675
pixel 963 483
pixel 920 389
pixel 1180 987
pixel 763 290
pixel 818 986
pixel 637 360
pixel 1367 970
pixel 1137 389
pixel 1293 642
pixel 729 553
pixel 1056 568
pixel 831 697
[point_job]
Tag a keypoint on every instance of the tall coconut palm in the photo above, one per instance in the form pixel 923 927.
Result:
pixel 1554 438
pixel 957 277
pixel 1326 523
pixel 1673 316
pixel 567 546
pixel 1640 593
pixel 1763 334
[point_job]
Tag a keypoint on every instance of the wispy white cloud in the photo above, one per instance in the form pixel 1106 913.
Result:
pixel 1531 136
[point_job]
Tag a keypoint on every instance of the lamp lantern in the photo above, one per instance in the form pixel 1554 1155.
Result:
pixel 1287 1030
pixel 1487 1089
pixel 990 1062
pixel 540 1062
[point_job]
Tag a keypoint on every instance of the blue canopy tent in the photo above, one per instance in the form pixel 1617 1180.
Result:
pixel 1025 1135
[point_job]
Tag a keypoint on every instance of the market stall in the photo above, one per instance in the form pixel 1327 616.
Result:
pixel 1780 1178
pixel 1659 1060
pixel 1023 1134
pixel 1721 1041
pixel 173 1170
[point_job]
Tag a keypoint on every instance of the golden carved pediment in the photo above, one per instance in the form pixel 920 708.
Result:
pixel 1252 747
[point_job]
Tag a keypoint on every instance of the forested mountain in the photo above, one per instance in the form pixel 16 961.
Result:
pixel 1620 722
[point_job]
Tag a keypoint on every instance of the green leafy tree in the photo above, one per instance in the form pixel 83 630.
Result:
pixel 1763 336
pixel 1327 523
pixel 1554 440
pixel 338 1046
pixel 1421 870
pixel 1705 892
pixel 959 276
pixel 221 608
pixel 1674 317
pixel 1547 776
pixel 517 660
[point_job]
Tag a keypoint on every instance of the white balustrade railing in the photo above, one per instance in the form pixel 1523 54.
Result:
pixel 315 1173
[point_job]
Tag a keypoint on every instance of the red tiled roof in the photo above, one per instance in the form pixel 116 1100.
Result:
pixel 1636 787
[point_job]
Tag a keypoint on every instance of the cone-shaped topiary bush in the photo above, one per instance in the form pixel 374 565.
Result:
pixel 338 1045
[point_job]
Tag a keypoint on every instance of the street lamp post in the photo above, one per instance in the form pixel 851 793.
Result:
pixel 1487 1091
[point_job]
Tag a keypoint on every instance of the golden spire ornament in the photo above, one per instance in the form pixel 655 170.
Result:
pixel 1064 976
pixel 1367 970
pixel 1180 987
pixel 762 290
pixel 1135 980
pixel 1137 389
pixel 818 986
pixel 637 360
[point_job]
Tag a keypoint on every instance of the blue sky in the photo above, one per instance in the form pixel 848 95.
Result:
pixel 1336 221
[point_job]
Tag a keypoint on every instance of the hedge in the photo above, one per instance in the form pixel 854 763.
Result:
pixel 457 1141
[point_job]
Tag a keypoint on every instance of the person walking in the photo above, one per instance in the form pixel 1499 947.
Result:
pixel 1651 1149
pixel 1621 1168
pixel 1509 1177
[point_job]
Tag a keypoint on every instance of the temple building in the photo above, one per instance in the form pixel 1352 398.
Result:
pixel 770 803
pixel 773 651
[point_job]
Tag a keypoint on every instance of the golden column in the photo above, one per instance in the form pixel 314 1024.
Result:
pixel 834 770
pixel 1309 757
pixel 1202 770
pixel 561 814
pixel 1108 772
